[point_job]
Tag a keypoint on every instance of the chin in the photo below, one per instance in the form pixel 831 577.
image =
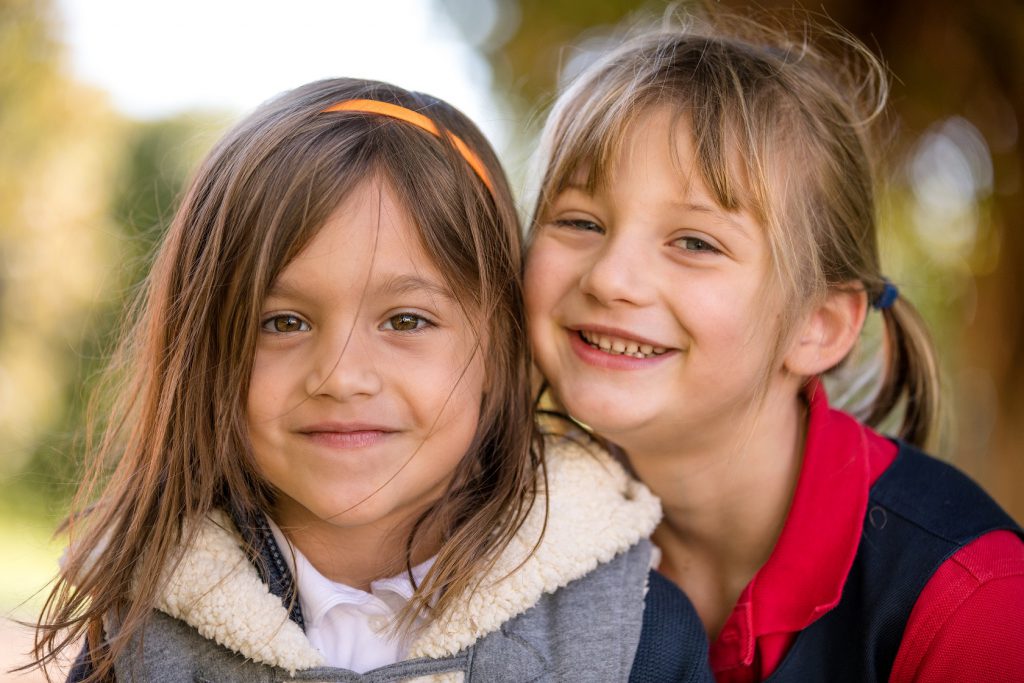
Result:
pixel 356 514
pixel 606 418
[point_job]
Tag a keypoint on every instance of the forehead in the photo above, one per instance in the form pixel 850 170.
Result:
pixel 657 148
pixel 658 145
pixel 369 240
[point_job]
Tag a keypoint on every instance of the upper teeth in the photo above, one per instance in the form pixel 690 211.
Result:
pixel 620 346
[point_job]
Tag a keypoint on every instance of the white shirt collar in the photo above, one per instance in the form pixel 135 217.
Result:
pixel 318 594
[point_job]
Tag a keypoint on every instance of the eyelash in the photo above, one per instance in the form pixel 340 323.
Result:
pixel 267 324
pixel 584 225
pixel 426 323
pixel 706 246
pixel 581 224
pixel 422 322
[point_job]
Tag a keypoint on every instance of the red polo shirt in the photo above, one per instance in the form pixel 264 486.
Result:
pixel 968 622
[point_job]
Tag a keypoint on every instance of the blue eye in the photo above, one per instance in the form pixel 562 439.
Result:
pixel 406 322
pixel 580 224
pixel 285 323
pixel 696 244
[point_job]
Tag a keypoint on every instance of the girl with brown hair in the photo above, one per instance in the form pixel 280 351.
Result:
pixel 321 459
pixel 703 250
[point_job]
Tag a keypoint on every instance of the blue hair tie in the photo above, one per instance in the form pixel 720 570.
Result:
pixel 886 298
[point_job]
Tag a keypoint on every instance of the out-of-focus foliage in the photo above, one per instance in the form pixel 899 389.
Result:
pixel 954 205
pixel 531 41
pixel 84 197
pixel 955 239
pixel 151 162
pixel 55 247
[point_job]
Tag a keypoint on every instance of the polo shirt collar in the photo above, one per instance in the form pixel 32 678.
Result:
pixel 805 574
pixel 319 595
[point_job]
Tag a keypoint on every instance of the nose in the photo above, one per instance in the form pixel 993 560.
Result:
pixel 344 369
pixel 620 273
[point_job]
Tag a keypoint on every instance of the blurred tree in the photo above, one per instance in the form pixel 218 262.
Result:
pixel 156 159
pixel 85 197
pixel 52 240
pixel 152 161
pixel 549 33
pixel 529 43
pixel 955 201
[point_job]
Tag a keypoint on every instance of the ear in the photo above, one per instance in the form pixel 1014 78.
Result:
pixel 828 332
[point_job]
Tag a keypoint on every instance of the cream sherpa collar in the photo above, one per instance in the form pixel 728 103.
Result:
pixel 596 512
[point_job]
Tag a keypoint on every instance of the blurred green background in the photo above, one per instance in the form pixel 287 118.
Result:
pixel 85 191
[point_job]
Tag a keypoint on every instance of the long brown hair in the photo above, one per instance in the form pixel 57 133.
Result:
pixel 174 445
pixel 783 127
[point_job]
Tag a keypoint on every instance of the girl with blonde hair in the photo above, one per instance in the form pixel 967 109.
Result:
pixel 704 249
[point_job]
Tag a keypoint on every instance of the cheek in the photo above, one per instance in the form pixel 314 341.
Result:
pixel 733 330
pixel 547 271
pixel 275 388
pixel 255 403
pixel 451 419
pixel 443 383
pixel 265 447
pixel 465 389
pixel 721 303
pixel 262 393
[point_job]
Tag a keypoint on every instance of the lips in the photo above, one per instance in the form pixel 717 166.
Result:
pixel 344 427
pixel 615 349
pixel 347 434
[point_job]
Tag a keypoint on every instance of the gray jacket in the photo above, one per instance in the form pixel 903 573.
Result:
pixel 571 611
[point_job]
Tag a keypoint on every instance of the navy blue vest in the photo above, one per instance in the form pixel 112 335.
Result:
pixel 920 512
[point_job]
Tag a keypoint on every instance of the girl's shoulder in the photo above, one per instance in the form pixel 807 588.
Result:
pixel 936 497
pixel 673 644
pixel 589 515
pixel 941 559
pixel 213 586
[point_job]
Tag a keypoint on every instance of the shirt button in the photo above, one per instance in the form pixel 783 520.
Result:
pixel 378 624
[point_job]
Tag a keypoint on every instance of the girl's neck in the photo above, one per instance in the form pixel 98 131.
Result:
pixel 725 502
pixel 354 556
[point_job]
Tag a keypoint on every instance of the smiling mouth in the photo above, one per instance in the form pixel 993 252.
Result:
pixel 348 439
pixel 619 346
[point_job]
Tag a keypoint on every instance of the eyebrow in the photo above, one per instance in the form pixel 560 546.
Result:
pixel 716 213
pixel 405 284
pixel 283 289
pixel 697 207
pixel 579 187
pixel 682 204
pixel 397 284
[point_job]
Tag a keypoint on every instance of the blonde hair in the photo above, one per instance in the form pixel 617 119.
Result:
pixel 781 128
pixel 175 445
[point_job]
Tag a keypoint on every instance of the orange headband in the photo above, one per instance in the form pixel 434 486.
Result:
pixel 419 120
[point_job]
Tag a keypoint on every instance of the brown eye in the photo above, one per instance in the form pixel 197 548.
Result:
pixel 405 322
pixel 284 324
